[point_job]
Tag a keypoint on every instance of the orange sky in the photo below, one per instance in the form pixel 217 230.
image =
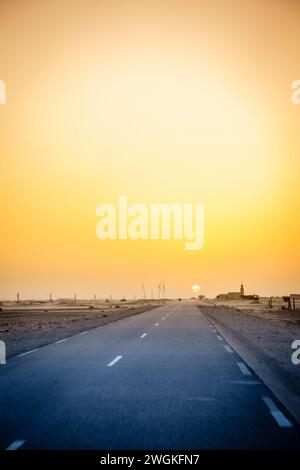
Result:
pixel 163 101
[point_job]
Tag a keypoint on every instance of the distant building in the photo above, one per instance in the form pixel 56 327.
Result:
pixel 296 296
pixel 222 296
pixel 237 295
pixel 250 297
pixel 234 295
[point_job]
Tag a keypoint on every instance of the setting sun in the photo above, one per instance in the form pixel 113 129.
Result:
pixel 196 289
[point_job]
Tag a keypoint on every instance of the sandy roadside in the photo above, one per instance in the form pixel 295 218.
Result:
pixel 264 339
pixel 27 328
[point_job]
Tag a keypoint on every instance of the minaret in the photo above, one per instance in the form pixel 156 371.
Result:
pixel 242 291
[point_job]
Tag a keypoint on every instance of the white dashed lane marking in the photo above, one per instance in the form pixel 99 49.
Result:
pixel 279 417
pixel 156 324
pixel 228 348
pixel 16 444
pixel 220 338
pixel 243 368
pixel 114 361
pixel 143 335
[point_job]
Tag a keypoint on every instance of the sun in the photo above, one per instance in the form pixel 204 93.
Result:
pixel 196 288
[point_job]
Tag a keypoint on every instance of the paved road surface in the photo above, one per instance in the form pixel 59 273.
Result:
pixel 163 379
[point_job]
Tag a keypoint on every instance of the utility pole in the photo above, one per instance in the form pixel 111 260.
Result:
pixel 158 289
pixel 75 297
pixel 50 297
pixel 18 297
pixel 144 292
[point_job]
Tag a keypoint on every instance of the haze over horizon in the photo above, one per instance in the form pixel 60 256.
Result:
pixel 165 102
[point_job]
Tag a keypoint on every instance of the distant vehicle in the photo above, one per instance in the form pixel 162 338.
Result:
pixel 180 299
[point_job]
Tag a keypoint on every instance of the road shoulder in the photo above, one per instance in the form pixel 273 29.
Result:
pixel 266 348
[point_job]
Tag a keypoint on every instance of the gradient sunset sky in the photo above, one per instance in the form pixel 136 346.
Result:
pixel 163 101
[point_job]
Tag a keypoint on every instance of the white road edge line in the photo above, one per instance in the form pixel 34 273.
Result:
pixel 16 444
pixel 28 352
pixel 228 348
pixel 214 330
pixel 113 362
pixel 156 324
pixel 279 417
pixel 83 333
pixel 220 338
pixel 143 335
pixel 243 368
pixel 61 341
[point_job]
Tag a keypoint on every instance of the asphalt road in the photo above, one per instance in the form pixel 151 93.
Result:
pixel 163 379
